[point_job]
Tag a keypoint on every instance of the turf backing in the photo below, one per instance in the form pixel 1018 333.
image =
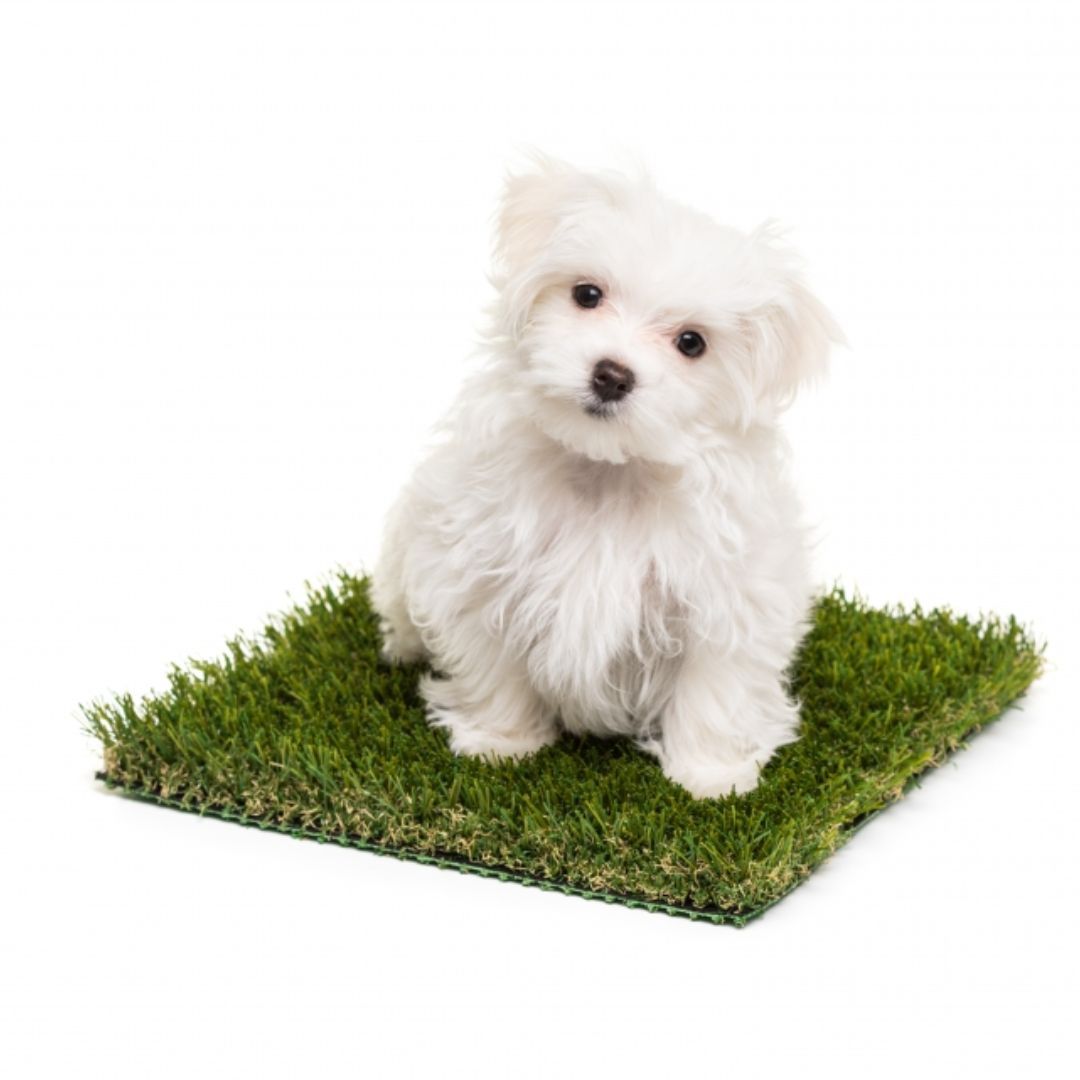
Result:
pixel 304 730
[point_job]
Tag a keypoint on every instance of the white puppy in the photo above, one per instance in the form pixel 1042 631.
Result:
pixel 606 541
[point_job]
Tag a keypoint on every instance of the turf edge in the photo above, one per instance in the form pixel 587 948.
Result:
pixel 717 917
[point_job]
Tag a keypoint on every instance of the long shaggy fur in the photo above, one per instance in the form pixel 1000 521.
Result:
pixel 635 568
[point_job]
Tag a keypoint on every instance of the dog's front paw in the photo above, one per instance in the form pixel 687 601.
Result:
pixel 714 779
pixel 509 725
pixel 493 746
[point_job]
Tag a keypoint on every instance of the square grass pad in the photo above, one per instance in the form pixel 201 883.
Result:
pixel 304 730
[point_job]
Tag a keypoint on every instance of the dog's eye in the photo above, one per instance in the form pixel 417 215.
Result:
pixel 587 295
pixel 690 343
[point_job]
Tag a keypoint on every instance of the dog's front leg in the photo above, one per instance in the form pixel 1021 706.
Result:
pixel 489 708
pixel 727 716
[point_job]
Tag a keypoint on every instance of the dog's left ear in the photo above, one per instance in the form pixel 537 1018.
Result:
pixel 793 332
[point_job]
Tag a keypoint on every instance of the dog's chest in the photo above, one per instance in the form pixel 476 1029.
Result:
pixel 596 608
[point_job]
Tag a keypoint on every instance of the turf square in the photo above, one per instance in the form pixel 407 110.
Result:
pixel 304 730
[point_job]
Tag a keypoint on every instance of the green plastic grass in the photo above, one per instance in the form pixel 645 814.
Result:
pixel 305 731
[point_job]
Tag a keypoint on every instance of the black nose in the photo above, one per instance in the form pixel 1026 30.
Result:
pixel 611 381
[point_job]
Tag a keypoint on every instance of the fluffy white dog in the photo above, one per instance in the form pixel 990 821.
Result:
pixel 606 540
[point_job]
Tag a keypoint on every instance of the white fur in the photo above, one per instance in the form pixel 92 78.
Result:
pixel 641 573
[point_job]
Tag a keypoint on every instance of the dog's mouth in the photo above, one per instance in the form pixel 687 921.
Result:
pixel 603 410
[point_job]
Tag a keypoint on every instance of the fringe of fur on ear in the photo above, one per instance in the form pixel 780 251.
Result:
pixel 541 199
pixel 545 194
pixel 792 336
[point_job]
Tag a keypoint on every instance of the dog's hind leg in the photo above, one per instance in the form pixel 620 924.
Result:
pixel 402 643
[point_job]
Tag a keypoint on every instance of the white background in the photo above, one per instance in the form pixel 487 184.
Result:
pixel 242 256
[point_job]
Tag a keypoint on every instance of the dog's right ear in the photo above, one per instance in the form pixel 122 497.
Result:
pixel 533 203
pixel 541 205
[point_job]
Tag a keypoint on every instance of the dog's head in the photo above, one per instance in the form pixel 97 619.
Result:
pixel 641 328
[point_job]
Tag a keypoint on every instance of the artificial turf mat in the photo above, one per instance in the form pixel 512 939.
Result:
pixel 305 731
